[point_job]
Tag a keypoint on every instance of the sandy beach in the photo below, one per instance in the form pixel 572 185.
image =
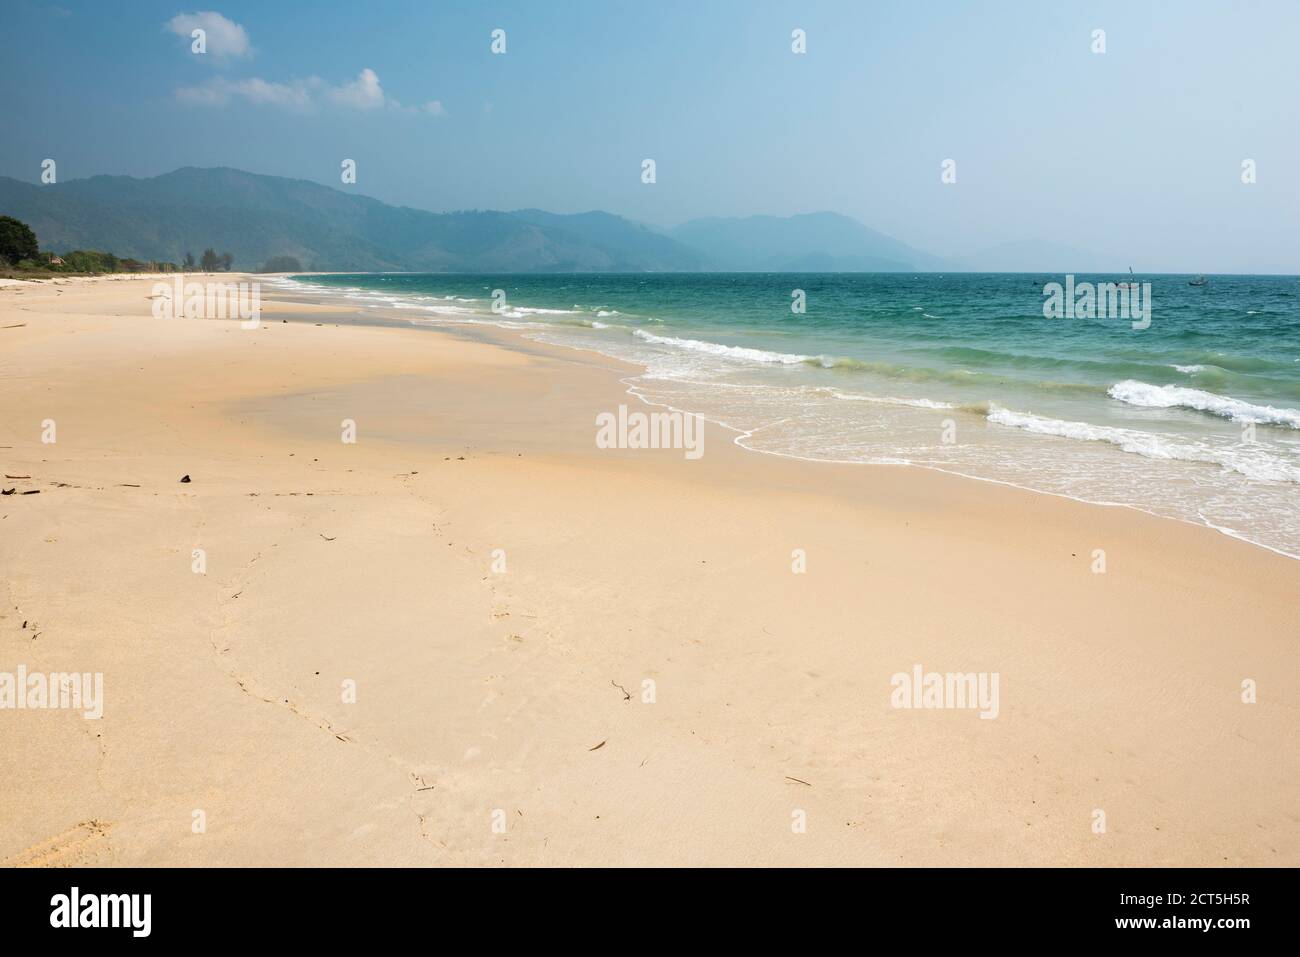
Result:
pixel 471 637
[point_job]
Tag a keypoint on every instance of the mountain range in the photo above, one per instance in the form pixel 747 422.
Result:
pixel 810 242
pixel 255 217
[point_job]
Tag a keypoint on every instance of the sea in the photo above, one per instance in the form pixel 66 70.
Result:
pixel 1189 411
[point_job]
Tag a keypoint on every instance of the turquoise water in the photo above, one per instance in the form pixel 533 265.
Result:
pixel 1196 417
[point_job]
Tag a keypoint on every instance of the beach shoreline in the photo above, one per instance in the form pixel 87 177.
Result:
pixel 522 690
pixel 1106 420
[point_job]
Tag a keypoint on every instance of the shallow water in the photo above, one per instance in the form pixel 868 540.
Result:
pixel 1196 416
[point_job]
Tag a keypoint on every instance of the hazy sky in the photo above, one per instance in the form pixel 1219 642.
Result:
pixel 1136 152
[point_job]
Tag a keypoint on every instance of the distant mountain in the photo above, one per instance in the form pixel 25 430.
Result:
pixel 811 242
pixel 256 217
pixel 626 243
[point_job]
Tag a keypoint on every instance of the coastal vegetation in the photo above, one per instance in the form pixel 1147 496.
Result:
pixel 22 257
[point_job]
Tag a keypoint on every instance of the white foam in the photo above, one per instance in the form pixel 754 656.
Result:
pixel 447 310
pixel 1149 396
pixel 891 400
pixel 1251 461
pixel 740 353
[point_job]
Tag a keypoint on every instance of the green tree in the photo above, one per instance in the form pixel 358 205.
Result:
pixel 17 241
pixel 227 261
pixel 90 260
pixel 189 260
pixel 210 260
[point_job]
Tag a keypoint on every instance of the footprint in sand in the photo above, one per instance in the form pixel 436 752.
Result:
pixel 80 846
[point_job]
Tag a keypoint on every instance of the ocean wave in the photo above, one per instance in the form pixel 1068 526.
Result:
pixel 894 371
pixel 741 353
pixel 1252 462
pixel 1147 396
pixel 1221 360
pixel 1116 367
pixel 581 323
pixel 448 310
pixel 892 400
pixel 963 377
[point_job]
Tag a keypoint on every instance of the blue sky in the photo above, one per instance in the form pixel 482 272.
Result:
pixel 1136 152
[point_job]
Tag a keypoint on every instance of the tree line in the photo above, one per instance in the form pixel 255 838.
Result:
pixel 211 261
pixel 20 251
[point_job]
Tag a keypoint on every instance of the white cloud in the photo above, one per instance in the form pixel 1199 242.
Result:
pixel 225 38
pixel 363 93
pixel 296 95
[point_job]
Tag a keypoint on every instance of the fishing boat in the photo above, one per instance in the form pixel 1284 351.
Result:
pixel 1198 281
